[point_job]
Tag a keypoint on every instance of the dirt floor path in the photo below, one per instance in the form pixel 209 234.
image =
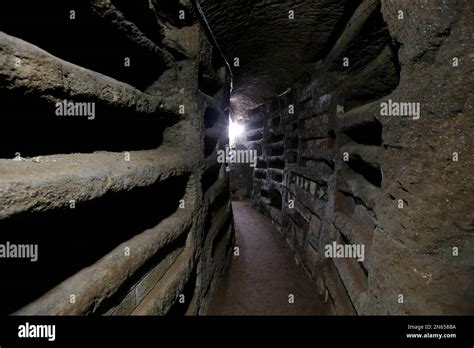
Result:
pixel 261 279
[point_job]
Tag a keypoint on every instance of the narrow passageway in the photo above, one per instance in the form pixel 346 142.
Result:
pixel 263 276
pixel 141 121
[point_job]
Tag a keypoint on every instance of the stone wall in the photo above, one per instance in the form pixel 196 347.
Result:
pixel 332 168
pixel 128 207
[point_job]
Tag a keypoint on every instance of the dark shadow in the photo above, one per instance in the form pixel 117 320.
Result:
pixel 72 239
pixel 370 173
pixel 88 40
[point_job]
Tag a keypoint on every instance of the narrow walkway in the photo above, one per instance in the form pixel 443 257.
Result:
pixel 261 279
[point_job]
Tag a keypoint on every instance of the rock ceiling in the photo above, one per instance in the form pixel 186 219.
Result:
pixel 274 40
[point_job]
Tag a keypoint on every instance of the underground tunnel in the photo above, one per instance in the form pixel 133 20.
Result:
pixel 241 157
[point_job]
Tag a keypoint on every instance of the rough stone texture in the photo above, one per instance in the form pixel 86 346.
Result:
pixel 330 166
pixel 419 169
pixel 131 225
pixel 50 78
pixel 409 251
pixel 98 283
pixel 48 182
pixel 273 49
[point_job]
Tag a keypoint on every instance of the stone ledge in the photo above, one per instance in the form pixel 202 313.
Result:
pixel 99 282
pixel 58 179
pixel 52 79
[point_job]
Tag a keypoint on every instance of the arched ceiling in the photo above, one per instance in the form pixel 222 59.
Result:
pixel 272 48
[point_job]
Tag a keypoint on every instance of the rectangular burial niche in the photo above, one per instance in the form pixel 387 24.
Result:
pixel 277 176
pixel 276 150
pixel 276 163
pixel 131 136
pixel 367 133
pixel 93 42
pixel 370 172
pixel 71 239
pixel 261 163
pixel 275 198
pixel 39 132
pixel 260 174
pixel 158 263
